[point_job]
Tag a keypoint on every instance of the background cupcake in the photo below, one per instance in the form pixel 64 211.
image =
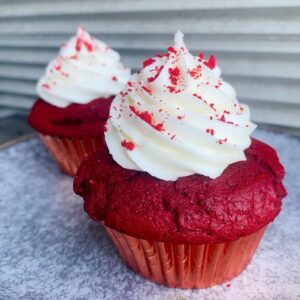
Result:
pixel 183 191
pixel 74 99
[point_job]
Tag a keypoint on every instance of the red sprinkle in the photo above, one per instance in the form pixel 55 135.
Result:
pixel 114 78
pixel 211 105
pixel 148 62
pixel 210 131
pixel 147 89
pixel 198 96
pixel 201 56
pixel 172 50
pixel 148 118
pixel 80 41
pixel 180 117
pixel 130 83
pixel 128 145
pixel 158 70
pixel 196 72
pixel 46 86
pixel 228 285
pixel 174 75
pixel 221 141
pixel 162 55
pixel 211 63
pixel 172 89
pixel 222 119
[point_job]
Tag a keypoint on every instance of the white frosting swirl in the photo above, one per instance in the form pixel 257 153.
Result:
pixel 85 69
pixel 177 117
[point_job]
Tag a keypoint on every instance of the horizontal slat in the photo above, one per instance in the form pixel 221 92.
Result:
pixel 107 6
pixel 277 113
pixel 6 112
pixel 247 21
pixel 196 42
pixel 233 63
pixel 15 100
pixel 18 87
pixel 269 90
pixel 26 56
pixel 19 72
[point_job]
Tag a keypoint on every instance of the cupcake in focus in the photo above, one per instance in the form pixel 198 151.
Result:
pixel 75 94
pixel 182 189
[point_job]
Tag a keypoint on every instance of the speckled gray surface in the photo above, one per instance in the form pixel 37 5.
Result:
pixel 49 249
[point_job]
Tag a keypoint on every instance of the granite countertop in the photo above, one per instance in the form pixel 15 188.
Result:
pixel 50 249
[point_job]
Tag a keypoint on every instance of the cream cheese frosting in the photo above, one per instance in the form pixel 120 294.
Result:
pixel 84 70
pixel 177 117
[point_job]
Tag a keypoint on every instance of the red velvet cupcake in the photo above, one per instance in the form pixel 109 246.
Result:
pixel 74 99
pixel 182 189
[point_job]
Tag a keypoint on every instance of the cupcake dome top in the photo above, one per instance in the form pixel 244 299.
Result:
pixel 193 209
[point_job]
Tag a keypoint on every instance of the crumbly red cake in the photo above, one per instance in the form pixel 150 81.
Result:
pixel 193 209
pixel 75 120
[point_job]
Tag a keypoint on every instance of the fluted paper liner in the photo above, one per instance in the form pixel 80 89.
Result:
pixel 70 152
pixel 186 265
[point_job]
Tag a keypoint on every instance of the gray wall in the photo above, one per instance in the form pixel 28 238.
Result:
pixel 256 42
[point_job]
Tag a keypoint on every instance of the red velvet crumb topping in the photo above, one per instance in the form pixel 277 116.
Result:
pixel 172 50
pixel 148 62
pixel 148 118
pixel 174 75
pixel 147 89
pixel 210 131
pixel 157 70
pixel 211 63
pixel 196 72
pixel 128 145
pixel 81 42
pixel 46 86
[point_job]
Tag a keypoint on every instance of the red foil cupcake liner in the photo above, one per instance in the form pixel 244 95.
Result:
pixel 186 265
pixel 70 152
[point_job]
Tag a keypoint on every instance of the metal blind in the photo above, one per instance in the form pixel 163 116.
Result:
pixel 257 43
